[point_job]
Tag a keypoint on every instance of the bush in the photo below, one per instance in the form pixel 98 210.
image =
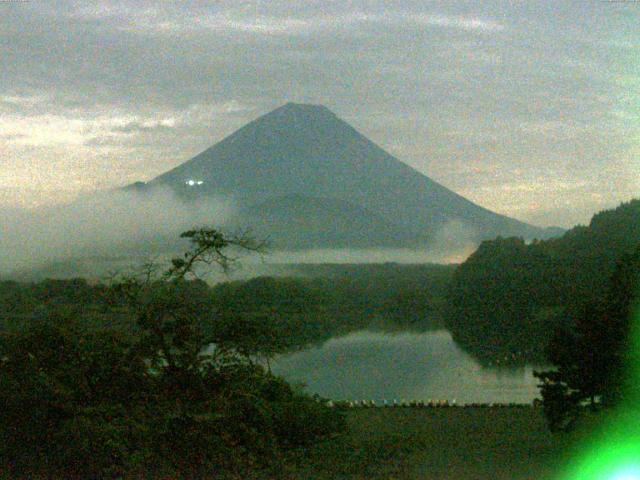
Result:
pixel 82 402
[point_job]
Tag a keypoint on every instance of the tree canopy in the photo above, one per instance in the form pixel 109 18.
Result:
pixel 162 398
pixel 508 297
pixel 595 357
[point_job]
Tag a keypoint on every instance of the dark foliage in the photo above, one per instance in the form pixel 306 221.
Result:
pixel 162 399
pixel 272 315
pixel 507 300
pixel 261 316
pixel 595 354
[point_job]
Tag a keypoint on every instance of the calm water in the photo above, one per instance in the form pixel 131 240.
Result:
pixel 412 366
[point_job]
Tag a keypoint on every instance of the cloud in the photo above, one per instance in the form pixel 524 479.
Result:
pixel 11 136
pixel 50 129
pixel 104 224
pixel 307 25
pixel 22 100
pixel 92 125
pixel 452 242
pixel 472 94
pixel 136 126
pixel 463 23
pixel 279 19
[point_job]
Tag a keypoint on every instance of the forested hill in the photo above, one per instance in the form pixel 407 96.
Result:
pixel 306 304
pixel 508 297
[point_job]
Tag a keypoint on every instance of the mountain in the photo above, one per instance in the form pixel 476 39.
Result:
pixel 299 221
pixel 306 178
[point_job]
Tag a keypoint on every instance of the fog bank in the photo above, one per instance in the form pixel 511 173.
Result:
pixel 102 225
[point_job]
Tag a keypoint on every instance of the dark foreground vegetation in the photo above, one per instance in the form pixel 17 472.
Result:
pixel 509 443
pixel 597 356
pixel 509 298
pixel 327 300
pixel 152 395
pixel 572 302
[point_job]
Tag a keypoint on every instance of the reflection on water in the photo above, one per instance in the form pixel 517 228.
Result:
pixel 413 366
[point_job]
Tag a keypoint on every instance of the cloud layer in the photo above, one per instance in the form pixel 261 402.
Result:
pixel 527 109
pixel 105 225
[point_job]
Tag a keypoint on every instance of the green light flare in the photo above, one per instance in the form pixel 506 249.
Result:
pixel 613 453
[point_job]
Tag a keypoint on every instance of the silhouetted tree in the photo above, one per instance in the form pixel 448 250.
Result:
pixel 508 297
pixel 165 399
pixel 593 356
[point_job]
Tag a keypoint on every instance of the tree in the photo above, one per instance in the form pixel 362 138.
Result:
pixel 165 397
pixel 498 303
pixel 594 356
pixel 508 297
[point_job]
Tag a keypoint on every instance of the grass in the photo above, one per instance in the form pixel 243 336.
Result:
pixel 438 444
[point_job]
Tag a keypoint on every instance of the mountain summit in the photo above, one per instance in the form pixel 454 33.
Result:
pixel 307 179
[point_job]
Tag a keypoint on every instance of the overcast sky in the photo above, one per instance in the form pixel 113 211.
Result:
pixel 529 109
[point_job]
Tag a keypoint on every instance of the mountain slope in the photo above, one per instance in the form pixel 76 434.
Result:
pixel 306 152
pixel 297 221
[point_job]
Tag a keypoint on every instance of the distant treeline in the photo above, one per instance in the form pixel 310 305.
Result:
pixel 22 303
pixel 272 313
pixel 508 298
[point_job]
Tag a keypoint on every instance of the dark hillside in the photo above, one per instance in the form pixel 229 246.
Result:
pixel 508 298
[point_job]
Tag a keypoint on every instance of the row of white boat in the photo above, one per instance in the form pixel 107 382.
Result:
pixel 420 404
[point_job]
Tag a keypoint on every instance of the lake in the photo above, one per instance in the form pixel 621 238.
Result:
pixel 368 365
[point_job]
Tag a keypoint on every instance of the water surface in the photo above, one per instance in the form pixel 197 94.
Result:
pixel 410 366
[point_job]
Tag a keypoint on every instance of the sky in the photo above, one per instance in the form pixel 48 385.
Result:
pixel 529 109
